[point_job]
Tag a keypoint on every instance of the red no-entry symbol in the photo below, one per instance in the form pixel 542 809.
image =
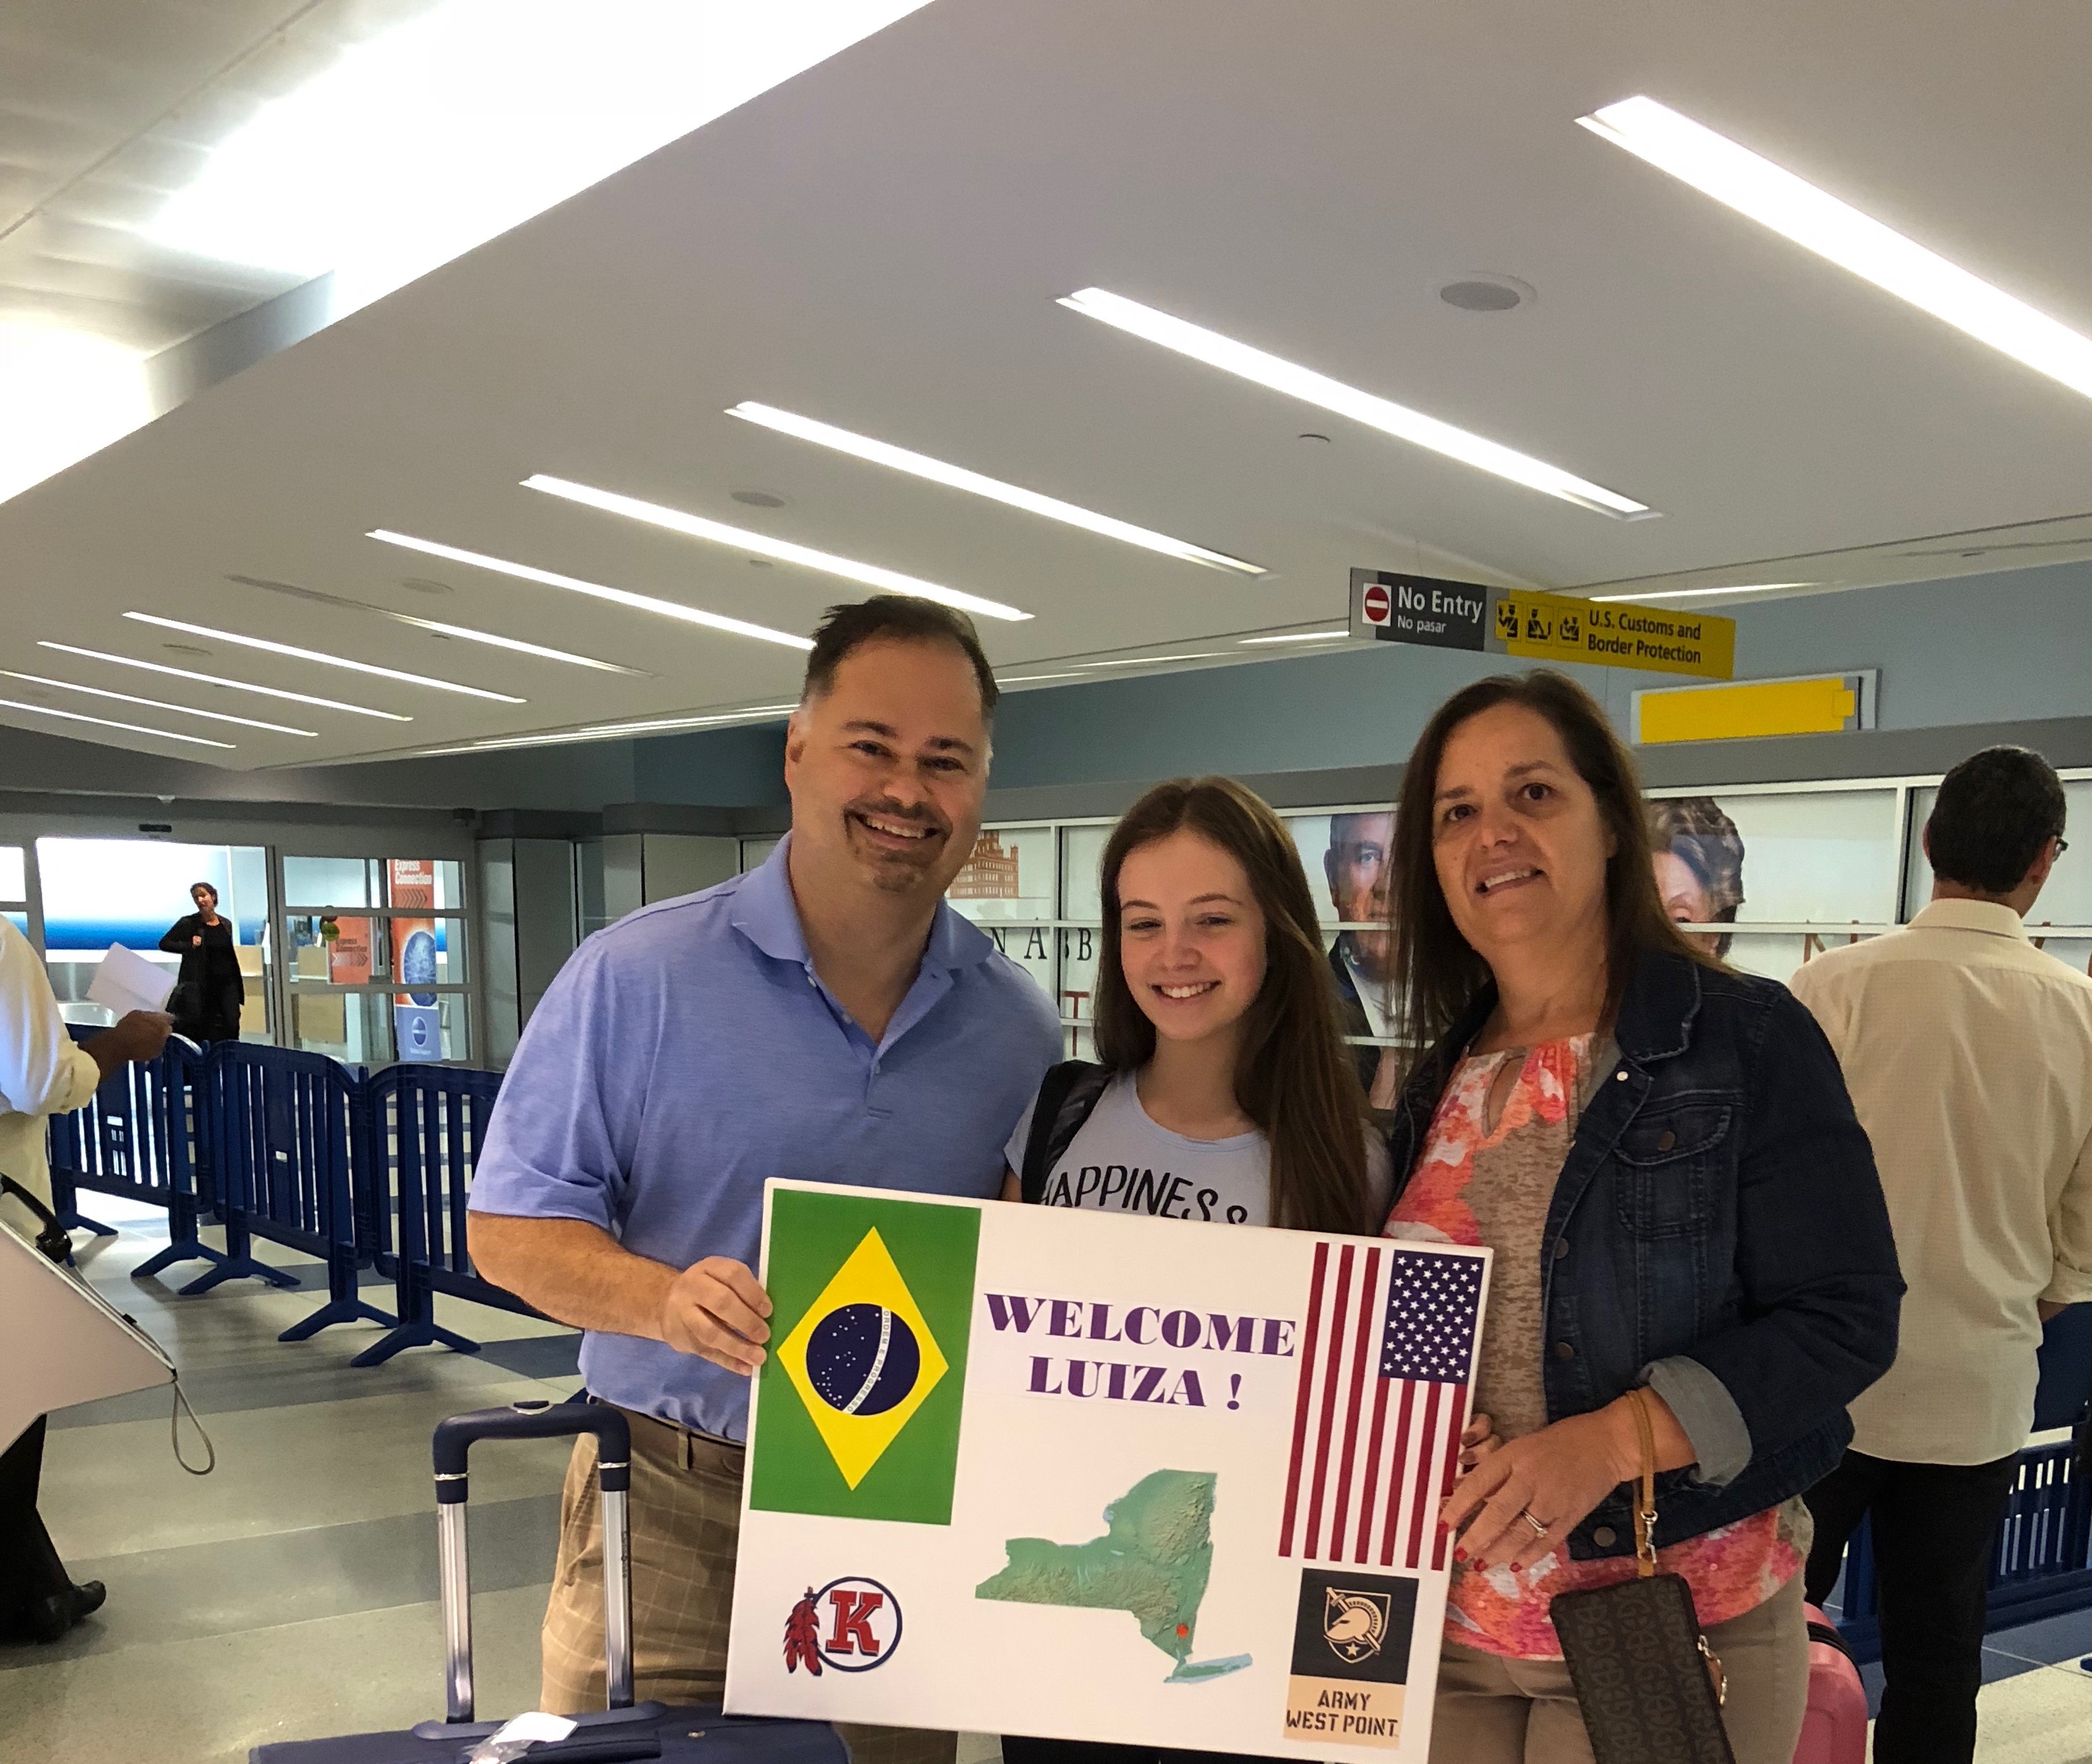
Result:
pixel 1379 608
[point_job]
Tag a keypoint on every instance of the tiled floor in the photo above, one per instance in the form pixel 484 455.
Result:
pixel 293 1592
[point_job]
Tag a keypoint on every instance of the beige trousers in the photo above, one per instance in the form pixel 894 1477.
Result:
pixel 1494 1710
pixel 684 1512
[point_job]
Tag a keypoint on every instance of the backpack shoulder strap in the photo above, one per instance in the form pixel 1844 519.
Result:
pixel 1066 1096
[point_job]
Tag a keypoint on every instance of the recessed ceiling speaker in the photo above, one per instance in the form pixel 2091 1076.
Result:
pixel 759 499
pixel 1488 294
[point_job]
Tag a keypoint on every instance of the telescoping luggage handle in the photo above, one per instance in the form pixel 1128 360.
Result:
pixel 454 1440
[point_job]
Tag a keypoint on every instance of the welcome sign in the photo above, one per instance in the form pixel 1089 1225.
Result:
pixel 1031 1470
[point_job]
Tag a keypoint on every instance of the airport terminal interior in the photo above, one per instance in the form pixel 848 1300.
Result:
pixel 431 432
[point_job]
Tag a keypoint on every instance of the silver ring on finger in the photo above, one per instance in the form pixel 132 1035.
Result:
pixel 1539 1525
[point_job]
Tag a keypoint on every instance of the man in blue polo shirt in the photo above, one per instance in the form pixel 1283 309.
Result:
pixel 825 1018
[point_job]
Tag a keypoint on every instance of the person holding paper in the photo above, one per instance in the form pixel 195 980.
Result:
pixel 209 994
pixel 1684 1212
pixel 826 1017
pixel 43 1073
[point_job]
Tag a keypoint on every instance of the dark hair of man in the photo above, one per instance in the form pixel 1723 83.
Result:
pixel 1437 972
pixel 1294 1075
pixel 1997 809
pixel 845 629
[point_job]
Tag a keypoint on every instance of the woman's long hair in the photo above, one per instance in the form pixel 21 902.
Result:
pixel 1437 972
pixel 1294 1076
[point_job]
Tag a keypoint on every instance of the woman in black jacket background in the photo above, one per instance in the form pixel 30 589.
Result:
pixel 210 992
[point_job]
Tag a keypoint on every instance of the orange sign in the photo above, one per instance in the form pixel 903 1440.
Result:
pixel 348 952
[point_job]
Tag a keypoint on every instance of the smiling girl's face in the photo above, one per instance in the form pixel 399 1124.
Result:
pixel 1517 839
pixel 1191 936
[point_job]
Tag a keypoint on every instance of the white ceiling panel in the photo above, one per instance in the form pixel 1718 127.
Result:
pixel 879 243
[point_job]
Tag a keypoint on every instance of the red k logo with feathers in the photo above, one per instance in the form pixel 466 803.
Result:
pixel 802 1636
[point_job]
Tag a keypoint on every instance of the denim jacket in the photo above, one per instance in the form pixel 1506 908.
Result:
pixel 1718 1233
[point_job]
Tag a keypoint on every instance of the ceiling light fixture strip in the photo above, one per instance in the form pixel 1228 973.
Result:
pixel 215 679
pixel 1700 593
pixel 959 477
pixel 323 659
pixel 761 545
pixel 667 608
pixel 1391 418
pixel 1774 197
pixel 105 723
pixel 155 704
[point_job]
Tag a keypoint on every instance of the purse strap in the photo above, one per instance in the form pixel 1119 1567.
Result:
pixel 1644 1518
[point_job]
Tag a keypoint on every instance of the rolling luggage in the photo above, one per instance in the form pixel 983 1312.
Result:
pixel 623 1731
pixel 1835 1729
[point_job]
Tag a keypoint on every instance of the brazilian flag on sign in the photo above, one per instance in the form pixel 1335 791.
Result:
pixel 860 1398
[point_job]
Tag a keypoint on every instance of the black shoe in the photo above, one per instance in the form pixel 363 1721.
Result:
pixel 48 1618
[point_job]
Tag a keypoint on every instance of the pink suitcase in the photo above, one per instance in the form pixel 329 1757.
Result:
pixel 1835 1729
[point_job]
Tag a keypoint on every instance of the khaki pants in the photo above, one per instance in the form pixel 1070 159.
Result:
pixel 1494 1710
pixel 685 1521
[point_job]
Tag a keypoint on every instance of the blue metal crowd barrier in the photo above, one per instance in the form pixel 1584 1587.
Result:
pixel 283 1123
pixel 359 1172
pixel 145 1135
pixel 426 1126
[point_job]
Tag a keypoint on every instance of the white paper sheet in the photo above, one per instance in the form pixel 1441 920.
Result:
pixel 126 982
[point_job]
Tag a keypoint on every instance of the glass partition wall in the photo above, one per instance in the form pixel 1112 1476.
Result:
pixel 377 963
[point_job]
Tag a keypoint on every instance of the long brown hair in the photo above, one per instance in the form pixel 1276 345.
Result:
pixel 1437 972
pixel 1293 1076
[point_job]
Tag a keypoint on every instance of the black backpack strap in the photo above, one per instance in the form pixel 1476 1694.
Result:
pixel 1065 1097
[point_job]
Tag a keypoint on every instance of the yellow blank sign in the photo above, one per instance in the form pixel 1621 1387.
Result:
pixel 1822 705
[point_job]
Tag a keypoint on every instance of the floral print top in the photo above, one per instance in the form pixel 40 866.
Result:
pixel 1482 1182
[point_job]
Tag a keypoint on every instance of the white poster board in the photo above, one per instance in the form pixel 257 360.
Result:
pixel 1031 1470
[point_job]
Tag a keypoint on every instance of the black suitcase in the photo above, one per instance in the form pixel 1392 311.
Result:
pixel 623 1731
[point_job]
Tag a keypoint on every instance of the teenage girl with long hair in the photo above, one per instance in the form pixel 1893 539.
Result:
pixel 1223 1090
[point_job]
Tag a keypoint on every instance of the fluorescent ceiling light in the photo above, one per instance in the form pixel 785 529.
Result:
pixel 103 723
pixel 155 704
pixel 1027 680
pixel 1700 593
pixel 1299 636
pixel 1136 661
pixel 668 609
pixel 325 660
pixel 957 478
pixel 741 539
pixel 464 632
pixel 1774 197
pixel 216 680
pixel 516 644
pixel 431 137
pixel 604 731
pixel 1217 351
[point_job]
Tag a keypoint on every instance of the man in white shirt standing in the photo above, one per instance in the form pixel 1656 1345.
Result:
pixel 1968 1054
pixel 43 1073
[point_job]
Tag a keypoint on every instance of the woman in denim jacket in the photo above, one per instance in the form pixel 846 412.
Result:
pixel 1661 1153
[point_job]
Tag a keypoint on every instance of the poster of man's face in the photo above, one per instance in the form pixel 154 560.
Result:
pixel 1357 864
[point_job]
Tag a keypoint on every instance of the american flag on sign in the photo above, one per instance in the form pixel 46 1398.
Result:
pixel 1384 1369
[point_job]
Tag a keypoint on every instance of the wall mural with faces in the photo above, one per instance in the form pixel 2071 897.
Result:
pixel 1772 876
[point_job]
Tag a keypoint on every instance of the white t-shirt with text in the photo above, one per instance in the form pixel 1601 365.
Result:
pixel 1121 1160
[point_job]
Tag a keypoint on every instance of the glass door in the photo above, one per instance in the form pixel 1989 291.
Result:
pixel 376 958
pixel 97 892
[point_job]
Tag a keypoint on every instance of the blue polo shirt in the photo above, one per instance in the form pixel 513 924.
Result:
pixel 689 1052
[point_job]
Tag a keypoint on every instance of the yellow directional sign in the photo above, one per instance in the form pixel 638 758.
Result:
pixel 1556 628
